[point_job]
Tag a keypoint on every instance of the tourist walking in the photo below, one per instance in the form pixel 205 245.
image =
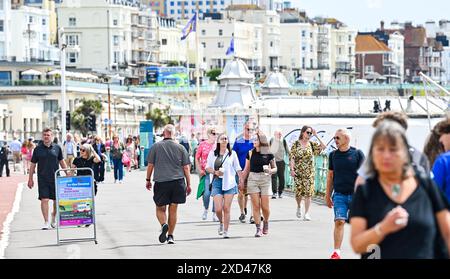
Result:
pixel 99 168
pixel 48 157
pixel 15 146
pixel 130 154
pixel 259 167
pixel 4 150
pixel 27 153
pixel 303 169
pixel 170 163
pixel 201 158
pixel 88 159
pixel 398 213
pixel 223 166
pixel 70 149
pixel 117 150
pixel 441 167
pixel 342 173
pixel 242 145
pixel 280 149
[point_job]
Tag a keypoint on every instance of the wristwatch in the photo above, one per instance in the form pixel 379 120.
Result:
pixel 147 179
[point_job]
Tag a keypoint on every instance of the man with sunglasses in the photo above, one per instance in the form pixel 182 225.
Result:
pixel 343 171
pixel 242 146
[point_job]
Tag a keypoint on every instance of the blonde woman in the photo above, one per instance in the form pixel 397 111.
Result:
pixel 88 157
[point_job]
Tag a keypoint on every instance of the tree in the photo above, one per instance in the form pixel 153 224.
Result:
pixel 159 117
pixel 213 74
pixel 79 116
pixel 173 63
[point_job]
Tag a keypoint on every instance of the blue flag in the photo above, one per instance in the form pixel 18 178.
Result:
pixel 190 27
pixel 230 49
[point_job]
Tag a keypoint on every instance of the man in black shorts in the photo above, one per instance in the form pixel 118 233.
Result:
pixel 48 156
pixel 171 164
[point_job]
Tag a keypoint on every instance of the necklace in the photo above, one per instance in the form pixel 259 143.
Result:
pixel 395 189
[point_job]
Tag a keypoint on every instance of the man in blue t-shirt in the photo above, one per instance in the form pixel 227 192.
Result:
pixel 342 173
pixel 242 146
pixel 441 167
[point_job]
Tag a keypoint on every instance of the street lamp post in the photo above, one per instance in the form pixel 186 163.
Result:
pixel 62 47
pixel 10 124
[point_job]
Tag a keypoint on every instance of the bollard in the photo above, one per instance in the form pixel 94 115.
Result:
pixel 141 160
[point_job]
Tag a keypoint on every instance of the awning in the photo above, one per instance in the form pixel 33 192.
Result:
pixel 32 72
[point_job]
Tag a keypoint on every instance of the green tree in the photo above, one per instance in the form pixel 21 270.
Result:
pixel 173 63
pixel 159 117
pixel 213 74
pixel 78 117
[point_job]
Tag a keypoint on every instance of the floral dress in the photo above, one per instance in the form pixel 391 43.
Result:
pixel 303 158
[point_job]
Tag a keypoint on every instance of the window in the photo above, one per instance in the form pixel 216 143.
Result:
pixel 203 32
pixel 73 57
pixel 164 42
pixel 5 78
pixel 44 22
pixel 350 50
pixel 271 44
pixel 72 40
pixel 303 62
pixel 270 19
pixel 204 44
pixel 340 51
pixel 349 38
pixel 1 26
pixel 44 37
pixel 220 32
pixel 172 3
pixel 311 35
pixel 369 69
pixel 220 44
pixel 311 48
pixel 115 22
pixel 30 19
pixel 116 40
pixel 311 63
pixel 72 21
pixel 172 12
pixel 303 34
pixel 116 56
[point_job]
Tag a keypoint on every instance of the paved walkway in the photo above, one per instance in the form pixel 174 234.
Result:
pixel 127 228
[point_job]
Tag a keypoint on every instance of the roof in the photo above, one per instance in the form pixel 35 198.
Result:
pixel 368 44
pixel 243 7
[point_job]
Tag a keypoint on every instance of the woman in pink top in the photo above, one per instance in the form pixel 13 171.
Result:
pixel 200 160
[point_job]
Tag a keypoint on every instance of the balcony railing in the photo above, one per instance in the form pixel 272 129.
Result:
pixel 36 83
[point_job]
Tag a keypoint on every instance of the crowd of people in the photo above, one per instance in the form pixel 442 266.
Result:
pixel 395 198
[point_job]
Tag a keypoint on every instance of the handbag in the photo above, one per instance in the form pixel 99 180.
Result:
pixel 125 159
pixel 221 164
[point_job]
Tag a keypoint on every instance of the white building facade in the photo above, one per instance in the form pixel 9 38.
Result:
pixel 169 36
pixel 215 38
pixel 5 29
pixel 271 34
pixel 396 44
pixel 342 53
pixel 186 9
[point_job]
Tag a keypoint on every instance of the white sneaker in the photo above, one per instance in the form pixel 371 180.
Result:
pixel 299 212
pixel 205 215
pixel 307 217
pixel 220 231
pixel 46 226
pixel 120 181
pixel 225 234
pixel 53 224
pixel 214 218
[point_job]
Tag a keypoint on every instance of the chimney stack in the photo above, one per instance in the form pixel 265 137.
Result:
pixel 382 25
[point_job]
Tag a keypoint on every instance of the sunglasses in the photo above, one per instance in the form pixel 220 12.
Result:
pixel 213 134
pixel 248 129
pixel 309 133
pixel 82 150
pixel 336 138
pixel 224 139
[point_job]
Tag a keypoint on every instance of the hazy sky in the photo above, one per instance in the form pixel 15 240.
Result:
pixel 367 14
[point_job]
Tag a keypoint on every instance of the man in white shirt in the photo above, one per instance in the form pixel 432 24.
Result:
pixel 70 149
pixel 15 148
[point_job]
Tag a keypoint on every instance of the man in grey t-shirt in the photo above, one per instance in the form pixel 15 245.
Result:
pixel 170 162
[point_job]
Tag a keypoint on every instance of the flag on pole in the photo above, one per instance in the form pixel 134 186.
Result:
pixel 190 27
pixel 230 49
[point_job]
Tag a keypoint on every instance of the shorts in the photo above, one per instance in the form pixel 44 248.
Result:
pixel 169 192
pixel 259 183
pixel 341 206
pixel 46 189
pixel 218 191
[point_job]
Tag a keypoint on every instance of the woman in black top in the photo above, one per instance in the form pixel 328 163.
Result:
pixel 259 167
pixel 396 214
pixel 87 159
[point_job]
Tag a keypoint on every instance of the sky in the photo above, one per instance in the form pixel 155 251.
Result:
pixel 365 15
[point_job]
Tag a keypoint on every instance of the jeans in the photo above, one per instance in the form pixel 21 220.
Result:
pixel 4 163
pixel 207 194
pixel 341 206
pixel 118 169
pixel 280 174
pixel 99 171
